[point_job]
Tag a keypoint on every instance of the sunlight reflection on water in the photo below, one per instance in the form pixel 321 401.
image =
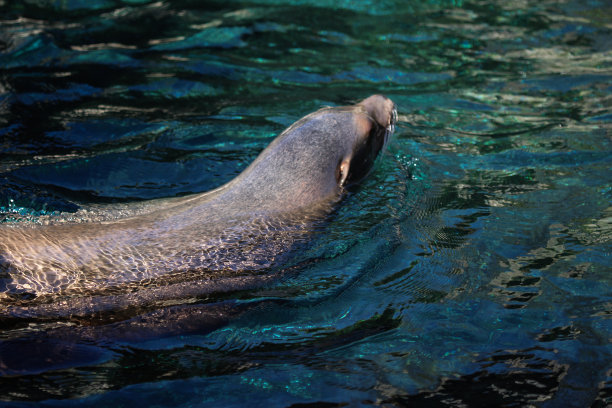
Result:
pixel 472 265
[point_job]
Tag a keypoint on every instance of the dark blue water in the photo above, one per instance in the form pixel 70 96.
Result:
pixel 472 268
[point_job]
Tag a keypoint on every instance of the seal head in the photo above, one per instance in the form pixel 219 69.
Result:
pixel 377 127
pixel 316 157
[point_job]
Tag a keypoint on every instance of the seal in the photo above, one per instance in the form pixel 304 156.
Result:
pixel 201 243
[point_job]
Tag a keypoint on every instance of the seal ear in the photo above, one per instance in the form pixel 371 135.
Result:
pixel 343 171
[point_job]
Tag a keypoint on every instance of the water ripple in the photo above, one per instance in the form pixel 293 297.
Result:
pixel 471 265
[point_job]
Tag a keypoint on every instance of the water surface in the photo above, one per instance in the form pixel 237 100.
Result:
pixel 472 267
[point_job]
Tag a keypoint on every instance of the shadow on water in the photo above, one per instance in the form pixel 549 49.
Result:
pixel 61 348
pixel 471 268
pixel 514 378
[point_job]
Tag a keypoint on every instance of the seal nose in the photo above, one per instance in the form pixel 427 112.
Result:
pixel 389 130
pixel 392 120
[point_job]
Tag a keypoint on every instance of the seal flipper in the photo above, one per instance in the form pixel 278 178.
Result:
pixel 343 171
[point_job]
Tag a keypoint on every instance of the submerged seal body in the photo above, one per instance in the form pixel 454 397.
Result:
pixel 204 242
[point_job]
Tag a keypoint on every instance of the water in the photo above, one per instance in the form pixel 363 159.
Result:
pixel 472 267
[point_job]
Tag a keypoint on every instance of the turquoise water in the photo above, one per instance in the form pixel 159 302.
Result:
pixel 472 268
